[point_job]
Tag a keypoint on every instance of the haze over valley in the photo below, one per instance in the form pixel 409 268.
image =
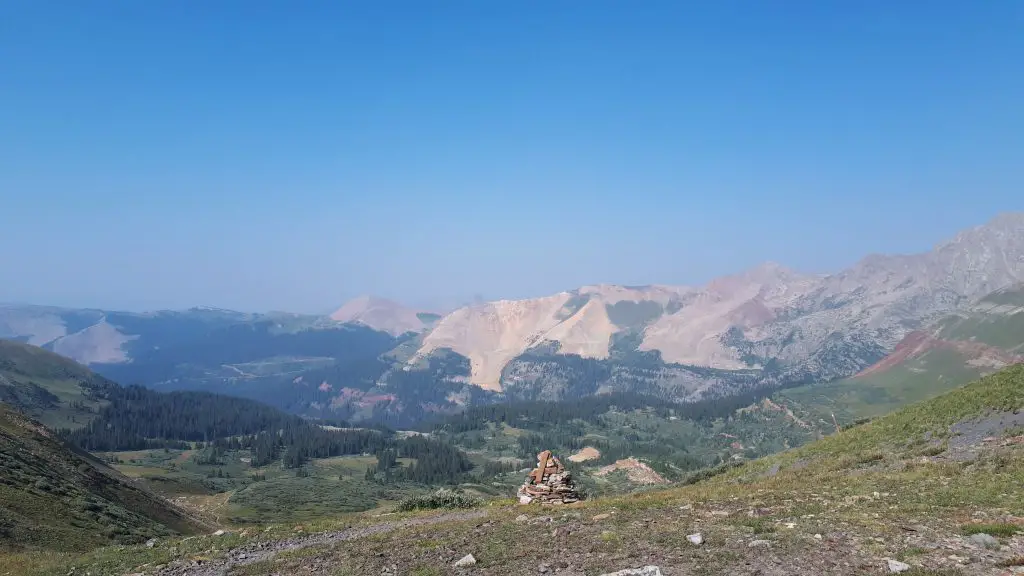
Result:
pixel 766 327
pixel 481 289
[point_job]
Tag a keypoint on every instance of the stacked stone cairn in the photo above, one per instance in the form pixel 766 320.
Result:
pixel 549 483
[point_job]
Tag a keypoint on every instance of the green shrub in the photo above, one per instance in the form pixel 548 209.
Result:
pixel 443 498
pixel 1005 530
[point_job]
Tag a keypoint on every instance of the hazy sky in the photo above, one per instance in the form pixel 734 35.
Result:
pixel 289 155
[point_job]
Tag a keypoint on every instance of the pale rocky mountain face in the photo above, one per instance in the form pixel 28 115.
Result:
pixel 796 326
pixel 581 322
pixel 383 315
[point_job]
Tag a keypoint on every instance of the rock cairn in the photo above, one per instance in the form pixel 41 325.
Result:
pixel 548 483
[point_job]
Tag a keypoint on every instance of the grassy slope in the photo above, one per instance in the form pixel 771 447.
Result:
pixel 53 496
pixel 57 391
pixel 911 486
pixel 921 378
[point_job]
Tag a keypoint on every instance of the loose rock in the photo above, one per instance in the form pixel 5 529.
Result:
pixel 645 571
pixel 696 539
pixel 466 561
pixel 895 566
pixel 759 544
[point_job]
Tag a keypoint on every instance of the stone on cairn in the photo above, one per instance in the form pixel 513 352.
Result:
pixel 549 483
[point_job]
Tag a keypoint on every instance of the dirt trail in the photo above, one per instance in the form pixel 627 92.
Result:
pixel 262 550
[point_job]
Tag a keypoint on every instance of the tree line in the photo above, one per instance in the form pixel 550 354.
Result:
pixel 543 416
pixel 137 418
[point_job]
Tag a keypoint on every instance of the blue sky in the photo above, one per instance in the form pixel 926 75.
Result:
pixel 281 155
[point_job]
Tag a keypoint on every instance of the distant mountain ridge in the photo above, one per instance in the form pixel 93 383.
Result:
pixel 804 326
pixel 767 326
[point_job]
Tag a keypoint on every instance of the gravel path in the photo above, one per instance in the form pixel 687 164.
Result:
pixel 259 551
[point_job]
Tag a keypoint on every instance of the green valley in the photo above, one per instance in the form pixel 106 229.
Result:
pixel 936 488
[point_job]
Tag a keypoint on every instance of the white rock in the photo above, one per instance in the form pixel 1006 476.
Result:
pixel 696 539
pixel 523 499
pixel 895 566
pixel 219 533
pixel 466 561
pixel 645 571
pixel 759 544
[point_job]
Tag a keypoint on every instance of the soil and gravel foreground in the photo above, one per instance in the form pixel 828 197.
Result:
pixel 811 533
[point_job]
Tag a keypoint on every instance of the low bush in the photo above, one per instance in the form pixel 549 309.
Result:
pixel 1001 529
pixel 442 499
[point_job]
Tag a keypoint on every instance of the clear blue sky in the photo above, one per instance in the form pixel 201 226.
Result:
pixel 289 155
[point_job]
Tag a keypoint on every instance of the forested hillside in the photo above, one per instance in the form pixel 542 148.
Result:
pixel 678 440
pixel 137 418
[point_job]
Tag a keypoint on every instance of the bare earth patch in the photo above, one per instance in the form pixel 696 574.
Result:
pixel 586 454
pixel 636 471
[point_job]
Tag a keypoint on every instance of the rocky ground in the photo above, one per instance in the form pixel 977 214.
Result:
pixel 808 533
pixel 261 550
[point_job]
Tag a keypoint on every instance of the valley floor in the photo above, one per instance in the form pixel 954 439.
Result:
pixel 805 512
pixel 936 488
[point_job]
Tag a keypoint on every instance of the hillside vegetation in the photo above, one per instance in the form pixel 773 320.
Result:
pixel 52 495
pixel 676 440
pixel 57 391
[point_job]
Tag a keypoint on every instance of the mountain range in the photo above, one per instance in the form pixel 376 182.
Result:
pixel 768 326
pixel 817 327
